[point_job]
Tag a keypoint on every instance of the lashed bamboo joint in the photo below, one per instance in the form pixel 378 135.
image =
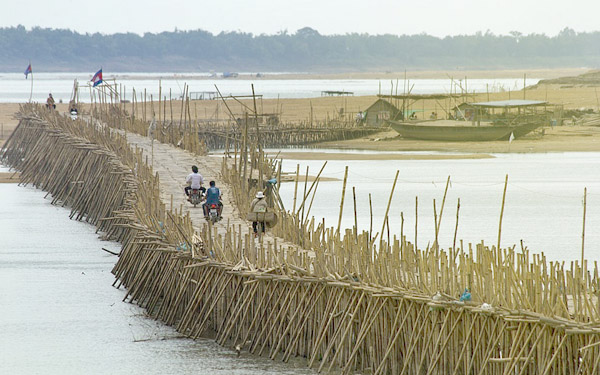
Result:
pixel 337 297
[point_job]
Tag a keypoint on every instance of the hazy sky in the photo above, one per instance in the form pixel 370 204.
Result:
pixel 434 17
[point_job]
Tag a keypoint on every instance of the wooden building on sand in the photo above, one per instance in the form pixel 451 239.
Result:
pixel 378 113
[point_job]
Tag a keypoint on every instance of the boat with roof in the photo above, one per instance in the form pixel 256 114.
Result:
pixel 483 121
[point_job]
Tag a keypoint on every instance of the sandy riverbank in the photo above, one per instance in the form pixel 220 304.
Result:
pixel 9 177
pixel 560 139
pixel 377 156
pixel 7 120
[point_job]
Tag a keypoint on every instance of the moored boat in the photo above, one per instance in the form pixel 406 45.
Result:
pixel 450 130
pixel 479 122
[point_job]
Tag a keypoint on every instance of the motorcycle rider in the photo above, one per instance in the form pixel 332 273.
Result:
pixel 213 196
pixel 195 181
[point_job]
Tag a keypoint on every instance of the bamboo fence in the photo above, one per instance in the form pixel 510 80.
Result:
pixel 197 136
pixel 342 299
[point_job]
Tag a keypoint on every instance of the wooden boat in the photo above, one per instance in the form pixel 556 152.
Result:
pixel 450 130
pixel 478 123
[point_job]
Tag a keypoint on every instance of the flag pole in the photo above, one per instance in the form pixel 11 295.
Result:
pixel 31 91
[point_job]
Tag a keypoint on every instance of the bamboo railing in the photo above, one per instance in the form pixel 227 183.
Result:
pixel 340 298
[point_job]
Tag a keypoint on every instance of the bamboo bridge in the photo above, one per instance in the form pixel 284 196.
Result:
pixel 220 136
pixel 337 297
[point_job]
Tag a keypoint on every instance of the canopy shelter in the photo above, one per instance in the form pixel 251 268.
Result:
pixel 513 111
pixel 407 103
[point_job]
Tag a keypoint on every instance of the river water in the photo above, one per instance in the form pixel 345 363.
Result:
pixel 14 88
pixel 544 199
pixel 59 313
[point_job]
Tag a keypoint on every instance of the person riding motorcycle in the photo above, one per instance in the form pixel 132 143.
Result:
pixel 213 196
pixel 195 181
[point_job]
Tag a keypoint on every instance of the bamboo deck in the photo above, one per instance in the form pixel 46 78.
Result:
pixel 340 298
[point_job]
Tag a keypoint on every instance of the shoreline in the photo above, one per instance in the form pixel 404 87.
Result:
pixel 292 155
pixel 564 138
pixel 10 177
pixel 539 73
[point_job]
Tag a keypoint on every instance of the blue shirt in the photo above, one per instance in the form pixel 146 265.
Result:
pixel 212 195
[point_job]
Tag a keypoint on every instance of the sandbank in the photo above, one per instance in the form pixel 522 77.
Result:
pixel 289 155
pixel 10 177
pixel 321 109
pixel 566 138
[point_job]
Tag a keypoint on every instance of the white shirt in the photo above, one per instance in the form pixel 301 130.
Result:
pixel 196 180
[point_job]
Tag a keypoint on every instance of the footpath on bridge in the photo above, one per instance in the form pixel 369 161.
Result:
pixel 173 164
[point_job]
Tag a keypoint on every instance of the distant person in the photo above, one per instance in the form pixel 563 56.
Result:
pixel 450 116
pixel 433 116
pixel 73 110
pixel 50 104
pixel 360 117
pixel 413 116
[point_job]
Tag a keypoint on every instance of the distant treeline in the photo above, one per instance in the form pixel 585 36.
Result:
pixel 303 51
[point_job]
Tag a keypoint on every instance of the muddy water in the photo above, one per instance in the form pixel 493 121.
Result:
pixel 544 199
pixel 59 313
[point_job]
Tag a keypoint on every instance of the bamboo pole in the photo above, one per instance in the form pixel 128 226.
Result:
pixel 416 219
pixel 583 232
pixel 355 214
pixel 502 212
pixel 387 210
pixel 342 202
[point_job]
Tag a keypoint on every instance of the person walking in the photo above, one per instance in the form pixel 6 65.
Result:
pixel 258 206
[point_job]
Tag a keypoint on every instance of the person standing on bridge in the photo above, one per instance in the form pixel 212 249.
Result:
pixel 258 205
pixel 50 103
pixel 194 181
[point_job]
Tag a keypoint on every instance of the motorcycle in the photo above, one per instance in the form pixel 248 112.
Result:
pixel 213 213
pixel 195 197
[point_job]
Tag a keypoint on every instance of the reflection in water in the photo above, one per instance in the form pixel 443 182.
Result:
pixel 59 313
